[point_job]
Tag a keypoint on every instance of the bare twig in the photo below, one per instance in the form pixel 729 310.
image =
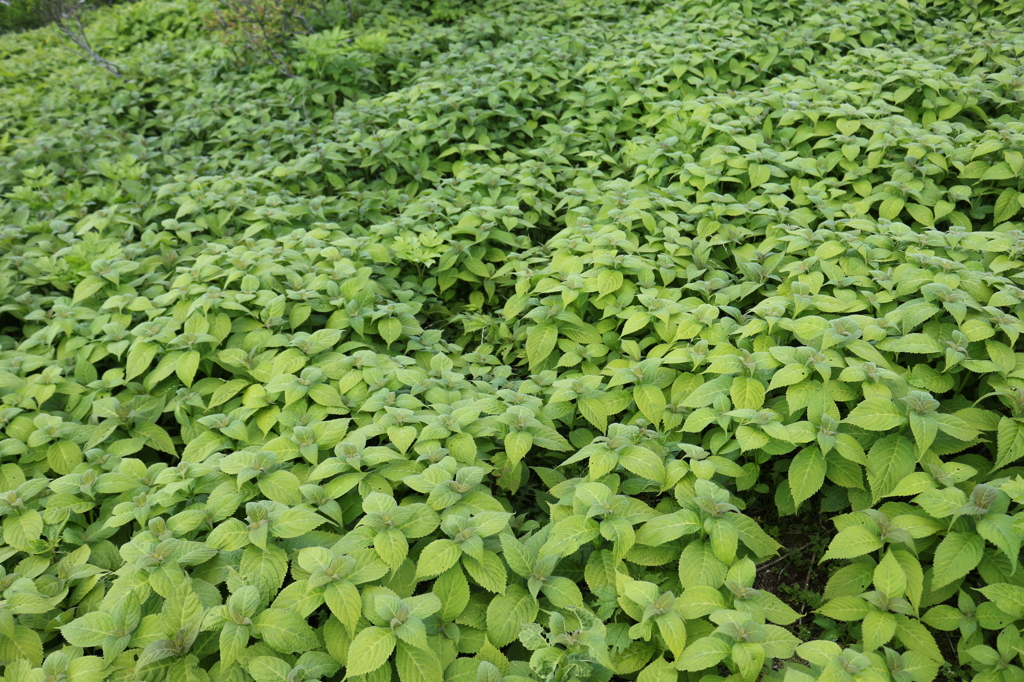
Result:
pixel 302 20
pixel 772 562
pixel 67 15
pixel 807 583
pixel 807 580
pixel 268 42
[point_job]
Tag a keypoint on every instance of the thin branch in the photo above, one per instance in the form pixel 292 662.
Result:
pixel 772 562
pixel 100 61
pixel 321 9
pixel 302 20
pixel 807 580
pixel 268 42
pixel 60 12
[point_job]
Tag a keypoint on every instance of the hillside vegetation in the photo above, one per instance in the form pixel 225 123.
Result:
pixel 551 340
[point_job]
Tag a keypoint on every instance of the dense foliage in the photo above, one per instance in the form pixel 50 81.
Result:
pixel 21 15
pixel 489 345
pixel 18 15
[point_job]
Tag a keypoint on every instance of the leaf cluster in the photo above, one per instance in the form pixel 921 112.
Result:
pixel 482 350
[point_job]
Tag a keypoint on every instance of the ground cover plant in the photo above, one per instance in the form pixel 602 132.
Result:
pixel 21 15
pixel 507 341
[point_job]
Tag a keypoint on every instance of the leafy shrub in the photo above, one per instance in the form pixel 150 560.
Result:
pixel 444 10
pixel 21 15
pixel 492 354
pixel 262 29
pixel 18 15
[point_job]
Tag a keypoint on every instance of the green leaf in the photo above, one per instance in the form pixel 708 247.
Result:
pixel 389 328
pixel 411 632
pixel 63 456
pixel 292 523
pixel 229 535
pixel 488 571
pixel 282 486
pixel 890 208
pixel 90 630
pixel 156 437
pixel 876 414
pixel 518 558
pixel 878 628
pixel 818 652
pixel 21 529
pixel 787 376
pixel 140 356
pixel 87 669
pixel 21 643
pixel 673 631
pixel 659 670
pixel 181 607
pixel 943 617
pixel 753 536
pixel 643 463
pixel 343 600
pixel 186 366
pixel 1010 444
pixel 601 570
pixel 508 613
pixel 999 530
pixel 570 534
pixel 668 527
pixel 955 557
pixel 86 288
pixel 698 565
pixel 747 393
pixel 285 631
pixel 698 601
pixel 517 444
pixel 890 460
pixel 540 342
pixel 749 658
pixel 852 542
pixel 269 669
pixel 609 281
pixel 705 394
pixel 452 588
pixel 651 402
pixel 889 577
pixel 758 174
pixel 436 558
pixel 233 639
pixel 806 474
pixel 924 428
pixel 392 547
pixel 417 665
pixel 369 650
pixel 1008 597
pixel 845 608
pixel 702 654
pixel 921 214
pixel 562 592
pixel 916 637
